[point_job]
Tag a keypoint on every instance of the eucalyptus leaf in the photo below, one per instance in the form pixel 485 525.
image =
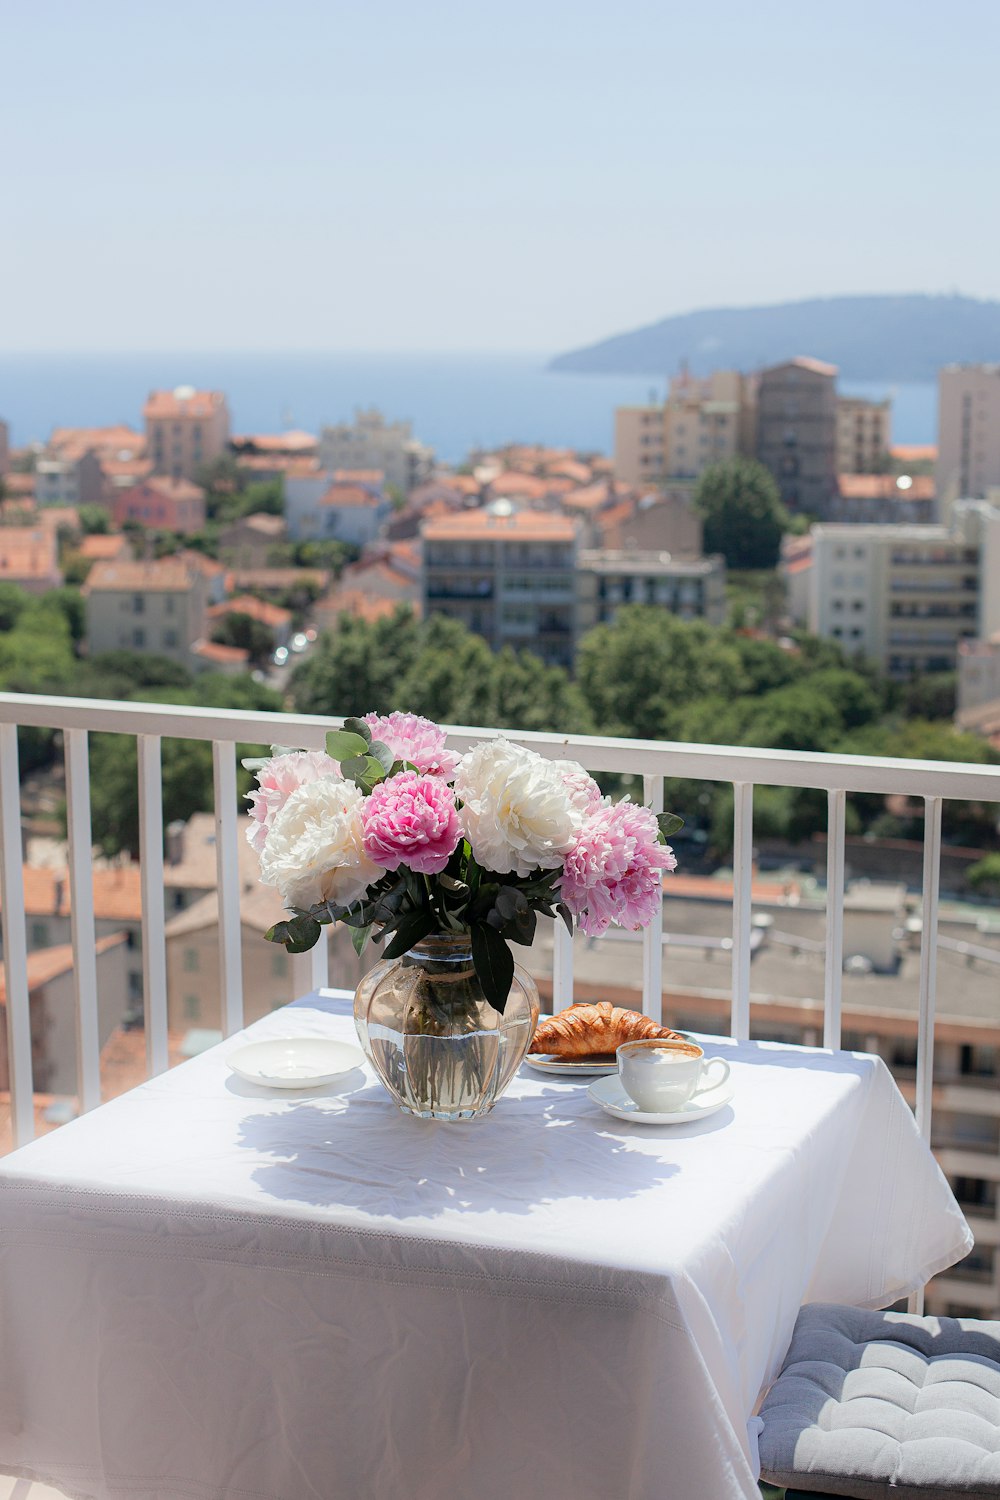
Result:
pixel 382 754
pixel 410 931
pixel 298 935
pixel 668 823
pixel 359 937
pixel 360 728
pixel 342 745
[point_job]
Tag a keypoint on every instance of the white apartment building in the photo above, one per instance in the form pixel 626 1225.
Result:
pixel 154 607
pixel 968 431
pixel 906 596
pixel 864 434
pixel 692 588
pixel 370 442
pixel 323 506
pixel 69 479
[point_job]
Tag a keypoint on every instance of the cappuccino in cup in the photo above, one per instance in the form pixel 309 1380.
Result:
pixel 663 1075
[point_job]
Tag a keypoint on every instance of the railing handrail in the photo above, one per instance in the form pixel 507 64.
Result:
pixel 732 763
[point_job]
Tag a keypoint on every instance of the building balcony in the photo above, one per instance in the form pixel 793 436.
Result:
pixel 647 762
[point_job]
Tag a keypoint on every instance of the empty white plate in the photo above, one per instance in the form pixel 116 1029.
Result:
pixel 294 1062
pixel 610 1094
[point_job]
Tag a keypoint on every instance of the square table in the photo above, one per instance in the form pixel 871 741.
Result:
pixel 211 1291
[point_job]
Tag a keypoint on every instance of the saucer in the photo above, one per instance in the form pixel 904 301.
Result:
pixel 610 1094
pixel 294 1062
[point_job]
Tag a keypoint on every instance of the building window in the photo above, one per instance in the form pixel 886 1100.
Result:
pixel 138 639
pixel 170 639
pixel 138 604
pixel 39 934
pixel 192 1008
pixel 191 964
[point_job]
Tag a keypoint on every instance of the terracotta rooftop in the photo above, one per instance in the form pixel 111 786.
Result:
pixel 123 1059
pixel 57 516
pixel 914 453
pixel 359 605
pixel 99 547
pixel 266 525
pixel 117 892
pixel 166 576
pixel 47 964
pixel 121 471
pixel 224 655
pixel 257 609
pixel 174 489
pixel 260 908
pixel 521 525
pixel 200 562
pixel 359 476
pixel 571 468
pixel 182 402
pixel 277 442
pixel 17 485
pixel 28 553
pixel 342 495
pixel 109 443
pixel 885 487
pixel 196 867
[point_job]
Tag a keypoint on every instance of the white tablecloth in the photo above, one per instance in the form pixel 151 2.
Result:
pixel 213 1292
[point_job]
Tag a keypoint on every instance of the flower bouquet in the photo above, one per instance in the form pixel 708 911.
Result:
pixel 447 861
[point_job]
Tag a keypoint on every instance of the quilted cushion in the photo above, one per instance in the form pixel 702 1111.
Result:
pixel 887 1406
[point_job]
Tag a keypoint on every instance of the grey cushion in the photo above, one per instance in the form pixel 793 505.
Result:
pixel 886 1406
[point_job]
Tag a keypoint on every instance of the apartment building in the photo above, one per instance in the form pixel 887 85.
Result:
pixel 162 503
pixel 69 479
pixel 52 1009
pixel 250 541
pixel 692 588
pixel 508 575
pixel 155 607
pixel 640 443
pixel 884 499
pixel 968 463
pixel 864 435
pixel 797 432
pixel 978 693
pixel 701 422
pixel 906 596
pixel 658 521
pixel 185 429
pixel 370 442
pixel 324 506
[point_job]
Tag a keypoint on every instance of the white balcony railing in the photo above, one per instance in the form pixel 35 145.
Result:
pixel 932 781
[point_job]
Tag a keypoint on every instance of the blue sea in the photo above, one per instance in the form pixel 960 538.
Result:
pixel 455 401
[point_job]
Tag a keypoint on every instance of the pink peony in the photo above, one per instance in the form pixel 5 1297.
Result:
pixel 417 740
pixel 411 820
pixel 277 780
pixel 613 873
pixel 584 793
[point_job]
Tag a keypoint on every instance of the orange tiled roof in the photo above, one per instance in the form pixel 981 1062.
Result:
pixel 357 603
pixel 884 487
pixel 118 470
pixel 176 404
pixel 279 578
pixel 28 552
pixel 914 453
pixel 522 525
pixel 359 476
pixel 165 576
pixel 818 366
pixel 123 1060
pixel 257 609
pixel 571 468
pixel 100 548
pixel 106 442
pixel 174 489
pixel 47 964
pixel 224 655
pixel 117 893
pixel 341 496
pixel 511 482
pixel 19 486
pixel 277 442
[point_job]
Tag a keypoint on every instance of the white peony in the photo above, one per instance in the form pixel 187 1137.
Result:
pixel 584 793
pixel 518 813
pixel 314 851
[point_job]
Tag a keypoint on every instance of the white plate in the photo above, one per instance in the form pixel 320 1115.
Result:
pixel 294 1062
pixel 567 1067
pixel 611 1096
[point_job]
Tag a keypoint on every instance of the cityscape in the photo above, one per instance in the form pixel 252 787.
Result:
pixel 857 609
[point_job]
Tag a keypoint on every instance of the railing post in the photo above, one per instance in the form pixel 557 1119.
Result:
pixel 742 906
pixel 319 961
pixel 834 972
pixel 228 871
pixel 154 952
pixel 928 982
pixel 15 946
pixel 652 937
pixel 81 887
pixel 562 966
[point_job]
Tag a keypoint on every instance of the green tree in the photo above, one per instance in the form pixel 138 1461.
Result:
pixel 13 603
pixel 742 512
pixel 94 520
pixel 249 634
pixel 984 875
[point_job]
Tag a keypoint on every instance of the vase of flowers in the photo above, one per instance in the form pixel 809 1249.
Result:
pixel 447 861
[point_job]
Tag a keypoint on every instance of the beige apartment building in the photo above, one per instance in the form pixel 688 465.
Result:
pixel 154 607
pixel 508 575
pixel 370 442
pixel 968 464
pixel 864 435
pixel 797 432
pixel 906 597
pixel 185 429
pixel 701 422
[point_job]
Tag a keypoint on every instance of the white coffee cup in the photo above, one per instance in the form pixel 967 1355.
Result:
pixel 663 1075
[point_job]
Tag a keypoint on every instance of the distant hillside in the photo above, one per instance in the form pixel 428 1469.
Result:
pixel 895 339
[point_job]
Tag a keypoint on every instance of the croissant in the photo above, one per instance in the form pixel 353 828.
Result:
pixel 586 1030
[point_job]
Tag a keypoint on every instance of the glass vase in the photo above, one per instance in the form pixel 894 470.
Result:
pixel 434 1039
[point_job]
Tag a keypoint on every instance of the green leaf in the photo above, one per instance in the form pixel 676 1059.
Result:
pixel 382 754
pixel 360 728
pixel 566 915
pixel 359 937
pixel 363 770
pixel 411 930
pixel 298 935
pixel 494 964
pixel 668 823
pixel 342 745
